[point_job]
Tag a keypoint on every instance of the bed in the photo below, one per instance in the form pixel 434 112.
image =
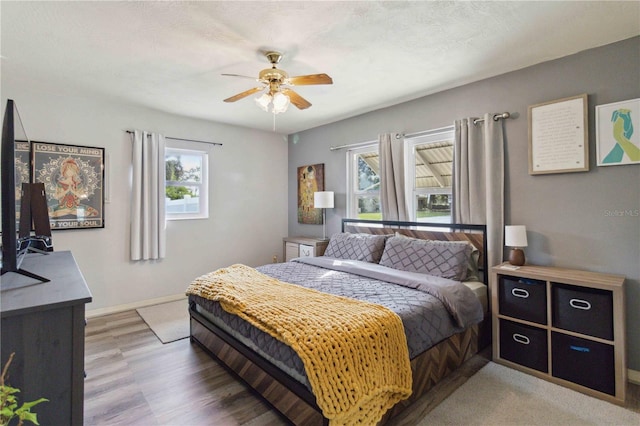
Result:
pixel 356 265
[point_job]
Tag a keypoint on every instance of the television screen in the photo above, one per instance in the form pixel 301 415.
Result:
pixel 13 174
pixel 9 254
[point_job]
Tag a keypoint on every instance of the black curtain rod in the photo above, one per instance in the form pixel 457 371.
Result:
pixel 186 140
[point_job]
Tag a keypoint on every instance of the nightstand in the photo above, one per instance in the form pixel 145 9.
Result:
pixel 562 325
pixel 303 247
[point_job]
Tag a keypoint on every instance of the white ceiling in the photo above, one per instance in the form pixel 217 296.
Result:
pixel 170 55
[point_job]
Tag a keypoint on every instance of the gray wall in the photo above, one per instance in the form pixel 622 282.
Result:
pixel 247 172
pixel 567 215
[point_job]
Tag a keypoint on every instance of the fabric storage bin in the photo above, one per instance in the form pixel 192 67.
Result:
pixel 583 361
pixel 523 344
pixel 523 298
pixel 583 310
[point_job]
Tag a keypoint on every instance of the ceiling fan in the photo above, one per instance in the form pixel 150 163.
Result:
pixel 275 80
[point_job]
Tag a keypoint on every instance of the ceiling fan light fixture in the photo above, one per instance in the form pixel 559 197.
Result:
pixel 275 98
pixel 280 102
pixel 264 101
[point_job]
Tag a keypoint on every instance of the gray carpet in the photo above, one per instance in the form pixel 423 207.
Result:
pixel 497 395
pixel 169 321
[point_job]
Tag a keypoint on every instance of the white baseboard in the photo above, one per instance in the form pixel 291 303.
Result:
pixel 135 305
pixel 633 376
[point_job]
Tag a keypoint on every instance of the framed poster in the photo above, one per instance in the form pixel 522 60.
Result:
pixel 617 141
pixel 73 178
pixel 310 180
pixel 559 136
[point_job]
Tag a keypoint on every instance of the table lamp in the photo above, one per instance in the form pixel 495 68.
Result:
pixel 323 200
pixel 515 236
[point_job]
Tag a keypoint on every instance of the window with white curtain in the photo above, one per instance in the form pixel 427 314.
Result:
pixel 186 180
pixel 429 177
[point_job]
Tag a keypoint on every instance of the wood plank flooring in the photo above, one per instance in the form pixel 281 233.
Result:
pixel 133 379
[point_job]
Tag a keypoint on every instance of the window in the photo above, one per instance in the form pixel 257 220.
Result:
pixel 429 177
pixel 364 183
pixel 186 178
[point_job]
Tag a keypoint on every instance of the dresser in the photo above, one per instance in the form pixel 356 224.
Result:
pixel 43 323
pixel 303 247
pixel 563 325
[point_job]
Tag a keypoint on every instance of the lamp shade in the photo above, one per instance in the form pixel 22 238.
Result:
pixel 323 200
pixel 264 101
pixel 515 236
pixel 280 102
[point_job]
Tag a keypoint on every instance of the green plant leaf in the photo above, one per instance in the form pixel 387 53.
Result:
pixel 28 405
pixel 8 390
pixel 30 417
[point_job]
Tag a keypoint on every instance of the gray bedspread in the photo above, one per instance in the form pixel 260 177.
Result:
pixel 431 308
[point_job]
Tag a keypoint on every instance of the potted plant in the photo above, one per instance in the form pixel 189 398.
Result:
pixel 9 408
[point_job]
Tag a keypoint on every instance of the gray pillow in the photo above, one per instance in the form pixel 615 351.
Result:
pixel 365 247
pixel 447 259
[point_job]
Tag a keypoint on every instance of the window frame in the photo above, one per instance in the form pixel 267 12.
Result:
pixel 193 149
pixel 412 192
pixel 353 193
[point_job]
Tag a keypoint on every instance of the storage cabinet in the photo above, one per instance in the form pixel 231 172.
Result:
pixel 303 247
pixel 562 325
pixel 43 324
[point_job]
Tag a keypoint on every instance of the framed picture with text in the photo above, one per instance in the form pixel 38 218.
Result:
pixel 73 178
pixel 559 136
pixel 618 133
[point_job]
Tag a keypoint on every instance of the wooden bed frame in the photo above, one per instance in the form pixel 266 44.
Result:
pixel 292 399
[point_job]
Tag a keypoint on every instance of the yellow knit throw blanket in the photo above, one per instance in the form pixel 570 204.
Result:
pixel 355 353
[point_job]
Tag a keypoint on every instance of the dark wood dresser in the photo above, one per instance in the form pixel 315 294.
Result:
pixel 43 323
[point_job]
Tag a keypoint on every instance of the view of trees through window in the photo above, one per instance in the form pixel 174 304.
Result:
pixel 368 195
pixel 176 176
pixel 184 182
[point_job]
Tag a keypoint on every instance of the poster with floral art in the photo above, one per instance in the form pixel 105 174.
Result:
pixel 73 178
pixel 310 180
pixel 618 133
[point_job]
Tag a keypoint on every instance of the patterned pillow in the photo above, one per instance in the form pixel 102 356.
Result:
pixel 349 246
pixel 447 259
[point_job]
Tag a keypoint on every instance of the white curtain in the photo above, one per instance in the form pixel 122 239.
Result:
pixel 147 197
pixel 479 179
pixel 393 199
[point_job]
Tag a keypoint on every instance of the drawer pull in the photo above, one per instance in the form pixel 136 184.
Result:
pixel 580 304
pixel 521 338
pixel 520 292
pixel 579 348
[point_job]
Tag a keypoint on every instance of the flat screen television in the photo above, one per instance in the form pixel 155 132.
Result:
pixel 10 258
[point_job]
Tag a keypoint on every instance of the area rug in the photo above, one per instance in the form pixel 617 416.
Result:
pixel 169 321
pixel 497 395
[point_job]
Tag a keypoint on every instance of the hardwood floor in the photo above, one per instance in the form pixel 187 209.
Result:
pixel 133 379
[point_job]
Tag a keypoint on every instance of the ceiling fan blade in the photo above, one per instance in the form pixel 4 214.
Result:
pixel 297 100
pixel 243 94
pixel 238 75
pixel 305 80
